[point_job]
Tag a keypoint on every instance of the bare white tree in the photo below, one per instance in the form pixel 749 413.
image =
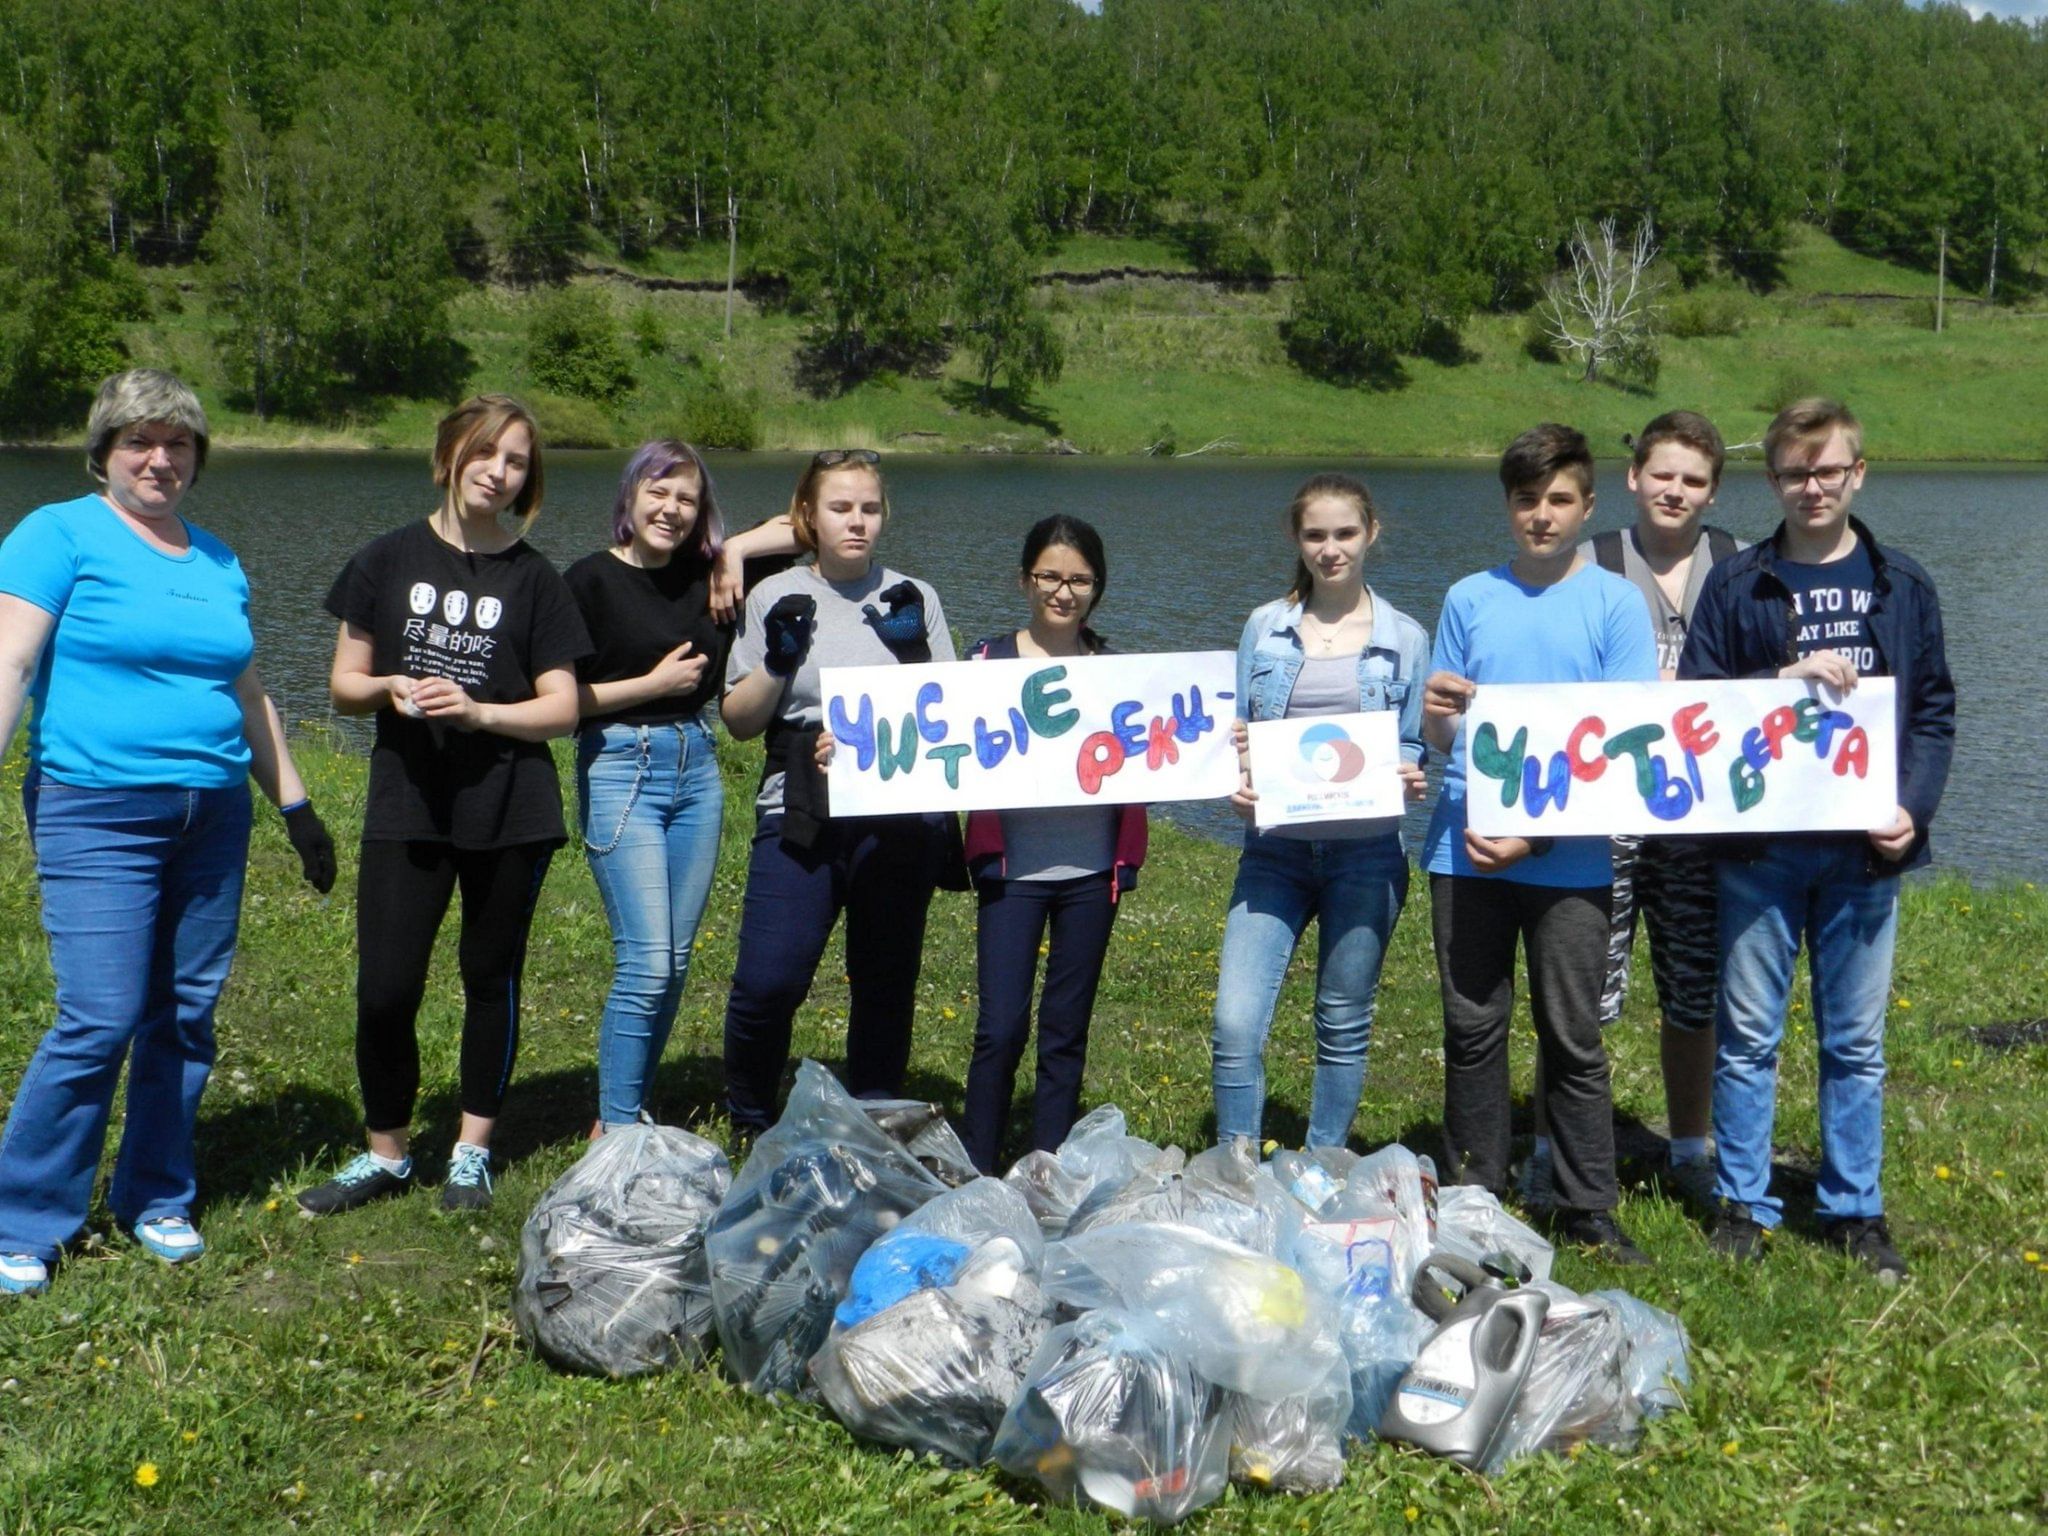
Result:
pixel 1605 309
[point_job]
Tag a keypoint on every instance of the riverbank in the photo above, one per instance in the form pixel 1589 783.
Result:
pixel 361 1373
pixel 1170 363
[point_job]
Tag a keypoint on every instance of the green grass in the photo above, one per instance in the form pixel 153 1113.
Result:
pixel 361 1374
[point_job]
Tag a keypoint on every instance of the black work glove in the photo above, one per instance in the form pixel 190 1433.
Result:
pixel 786 633
pixel 302 824
pixel 902 627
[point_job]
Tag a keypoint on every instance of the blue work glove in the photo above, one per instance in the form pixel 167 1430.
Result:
pixel 786 633
pixel 902 627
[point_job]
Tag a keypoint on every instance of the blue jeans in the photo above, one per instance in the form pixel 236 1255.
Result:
pixel 142 892
pixel 652 806
pixel 1848 919
pixel 1354 889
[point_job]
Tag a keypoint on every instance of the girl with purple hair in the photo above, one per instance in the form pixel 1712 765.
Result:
pixel 646 774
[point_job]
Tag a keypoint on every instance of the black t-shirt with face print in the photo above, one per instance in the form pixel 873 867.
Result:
pixel 491 623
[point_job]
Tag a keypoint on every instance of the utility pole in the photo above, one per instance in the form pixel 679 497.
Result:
pixel 1941 281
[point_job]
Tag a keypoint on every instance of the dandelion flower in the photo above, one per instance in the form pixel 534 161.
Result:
pixel 1412 1514
pixel 1941 1171
pixel 145 1475
pixel 190 1436
pixel 1731 1447
pixel 2031 1257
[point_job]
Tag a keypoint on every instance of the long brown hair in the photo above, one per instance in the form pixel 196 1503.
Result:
pixel 472 427
pixel 1315 488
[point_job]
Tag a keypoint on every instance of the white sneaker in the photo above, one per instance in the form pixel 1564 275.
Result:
pixel 171 1238
pixel 23 1274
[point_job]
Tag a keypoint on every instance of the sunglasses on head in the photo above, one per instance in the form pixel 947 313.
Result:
pixel 832 458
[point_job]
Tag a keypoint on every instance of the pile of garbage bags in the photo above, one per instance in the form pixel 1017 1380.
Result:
pixel 1129 1327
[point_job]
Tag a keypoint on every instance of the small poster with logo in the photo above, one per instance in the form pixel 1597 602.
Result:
pixel 1326 768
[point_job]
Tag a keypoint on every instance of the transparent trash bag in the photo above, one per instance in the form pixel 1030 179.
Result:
pixel 1245 1321
pixel 1098 1151
pixel 821 1185
pixel 1113 1414
pixel 1222 1191
pixel 1577 1390
pixel 612 1272
pixel 1292 1444
pixel 1472 1224
pixel 940 1317
pixel 1397 1177
pixel 1656 1368
pixel 924 1132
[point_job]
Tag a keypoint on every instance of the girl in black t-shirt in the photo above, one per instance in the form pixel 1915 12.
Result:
pixel 646 773
pixel 462 639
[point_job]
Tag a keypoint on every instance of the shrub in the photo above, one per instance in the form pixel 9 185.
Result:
pixel 1839 317
pixel 573 347
pixel 1789 385
pixel 650 336
pixel 1706 312
pixel 716 416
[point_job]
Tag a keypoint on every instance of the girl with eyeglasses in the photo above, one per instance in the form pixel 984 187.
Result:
pixel 1331 646
pixel 1062 868
pixel 844 609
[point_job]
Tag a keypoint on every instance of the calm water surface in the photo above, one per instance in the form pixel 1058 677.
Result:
pixel 1194 546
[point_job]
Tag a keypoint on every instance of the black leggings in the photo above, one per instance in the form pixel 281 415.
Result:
pixel 402 891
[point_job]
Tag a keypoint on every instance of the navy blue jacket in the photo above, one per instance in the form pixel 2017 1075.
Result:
pixel 1744 627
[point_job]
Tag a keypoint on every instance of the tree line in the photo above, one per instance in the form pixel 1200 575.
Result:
pixel 332 171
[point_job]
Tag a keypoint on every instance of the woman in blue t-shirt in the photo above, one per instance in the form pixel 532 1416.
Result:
pixel 1060 869
pixel 1331 646
pixel 129 629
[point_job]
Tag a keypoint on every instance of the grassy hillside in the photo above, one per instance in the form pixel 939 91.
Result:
pixel 1179 365
pixel 361 1374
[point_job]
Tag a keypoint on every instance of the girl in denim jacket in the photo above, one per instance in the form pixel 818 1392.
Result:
pixel 1331 646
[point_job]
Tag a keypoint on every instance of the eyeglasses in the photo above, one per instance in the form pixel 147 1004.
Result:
pixel 1049 582
pixel 1829 477
pixel 832 458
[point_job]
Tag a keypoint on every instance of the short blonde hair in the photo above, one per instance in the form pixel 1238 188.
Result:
pixel 803 502
pixel 139 395
pixel 1804 420
pixel 468 430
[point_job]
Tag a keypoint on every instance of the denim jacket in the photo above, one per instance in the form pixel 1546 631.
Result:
pixel 1391 668
pixel 1744 626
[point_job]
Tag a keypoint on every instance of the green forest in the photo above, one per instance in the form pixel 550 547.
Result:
pixel 326 198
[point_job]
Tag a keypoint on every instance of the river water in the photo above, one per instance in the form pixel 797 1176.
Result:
pixel 1194 545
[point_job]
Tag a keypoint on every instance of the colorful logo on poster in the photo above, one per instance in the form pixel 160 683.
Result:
pixel 1330 755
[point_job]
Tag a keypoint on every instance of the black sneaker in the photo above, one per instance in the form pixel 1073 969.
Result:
pixel 1868 1240
pixel 468 1186
pixel 1736 1234
pixel 1599 1234
pixel 362 1181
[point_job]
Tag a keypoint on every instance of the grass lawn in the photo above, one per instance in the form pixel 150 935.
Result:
pixel 361 1373
pixel 1158 365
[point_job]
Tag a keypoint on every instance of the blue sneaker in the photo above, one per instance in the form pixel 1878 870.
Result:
pixel 359 1182
pixel 468 1186
pixel 171 1238
pixel 23 1274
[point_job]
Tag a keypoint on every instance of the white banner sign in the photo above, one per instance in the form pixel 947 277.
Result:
pixel 1002 735
pixel 1326 768
pixel 1597 759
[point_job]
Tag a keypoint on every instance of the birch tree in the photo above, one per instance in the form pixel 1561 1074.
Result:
pixel 1604 311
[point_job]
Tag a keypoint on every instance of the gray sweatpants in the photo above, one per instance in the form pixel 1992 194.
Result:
pixel 1563 932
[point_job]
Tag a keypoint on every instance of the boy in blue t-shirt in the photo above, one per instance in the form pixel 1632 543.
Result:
pixel 1549 615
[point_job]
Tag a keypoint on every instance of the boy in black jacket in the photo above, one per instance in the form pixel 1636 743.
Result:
pixel 1820 599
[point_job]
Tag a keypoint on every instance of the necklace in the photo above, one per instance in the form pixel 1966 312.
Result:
pixel 1326 635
